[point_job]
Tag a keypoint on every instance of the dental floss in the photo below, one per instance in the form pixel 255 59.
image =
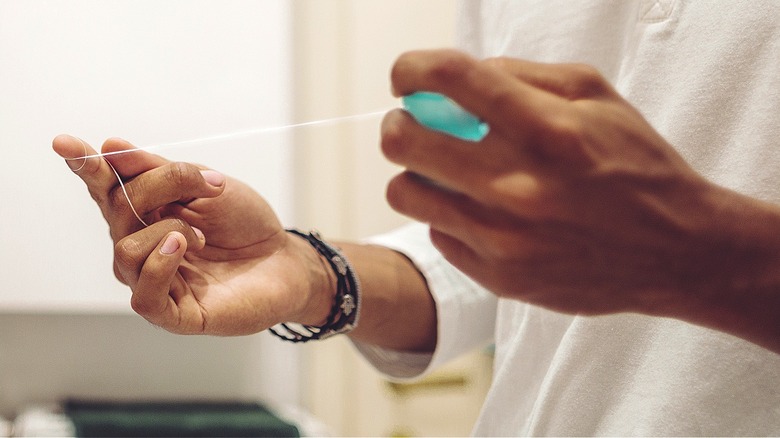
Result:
pixel 124 191
pixel 227 136
pixel 433 110
pixel 118 178
pixel 234 135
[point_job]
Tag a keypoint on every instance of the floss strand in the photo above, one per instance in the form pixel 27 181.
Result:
pixel 227 136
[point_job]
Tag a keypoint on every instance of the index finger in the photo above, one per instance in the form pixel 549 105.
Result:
pixel 133 163
pixel 491 93
pixel 92 167
pixel 94 171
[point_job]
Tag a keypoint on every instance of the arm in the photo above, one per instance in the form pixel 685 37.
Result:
pixel 573 202
pixel 398 311
pixel 199 269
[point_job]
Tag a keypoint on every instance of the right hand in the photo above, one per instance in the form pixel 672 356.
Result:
pixel 214 258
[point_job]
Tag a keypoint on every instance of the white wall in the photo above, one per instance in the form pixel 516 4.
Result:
pixel 149 71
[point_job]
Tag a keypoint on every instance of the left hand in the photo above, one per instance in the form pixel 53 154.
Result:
pixel 214 259
pixel 573 201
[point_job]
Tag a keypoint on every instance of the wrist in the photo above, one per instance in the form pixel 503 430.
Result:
pixel 345 303
pixel 320 284
pixel 742 247
pixel 737 284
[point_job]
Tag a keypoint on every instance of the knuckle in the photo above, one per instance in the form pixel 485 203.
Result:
pixel 139 306
pixel 570 142
pixel 451 67
pixel 181 174
pixel 119 200
pixel 566 129
pixel 499 62
pixel 585 81
pixel 561 137
pixel 515 189
pixel 177 224
pixel 104 201
pixel 142 306
pixel 447 65
pixel 128 254
pixel 501 99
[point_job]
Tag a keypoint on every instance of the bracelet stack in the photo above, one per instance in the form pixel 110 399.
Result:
pixel 343 316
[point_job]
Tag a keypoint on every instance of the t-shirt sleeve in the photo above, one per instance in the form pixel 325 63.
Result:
pixel 466 312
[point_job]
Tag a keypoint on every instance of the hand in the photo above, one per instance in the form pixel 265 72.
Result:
pixel 572 201
pixel 214 258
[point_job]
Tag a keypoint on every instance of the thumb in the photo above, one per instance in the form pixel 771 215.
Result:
pixel 156 287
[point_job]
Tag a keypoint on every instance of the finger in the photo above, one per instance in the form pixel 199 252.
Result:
pixel 130 164
pixel 151 294
pixel 467 260
pixel 453 213
pixel 437 156
pixel 494 171
pixel 132 252
pixel 94 171
pixel 170 183
pixel 490 93
pixel 570 81
pixel 455 251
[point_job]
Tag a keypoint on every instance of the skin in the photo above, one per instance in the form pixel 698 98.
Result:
pixel 199 269
pixel 572 202
pixel 575 203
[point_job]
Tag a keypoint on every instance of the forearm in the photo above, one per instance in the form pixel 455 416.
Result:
pixel 397 310
pixel 736 279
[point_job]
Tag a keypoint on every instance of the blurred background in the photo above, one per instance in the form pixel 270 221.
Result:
pixel 169 70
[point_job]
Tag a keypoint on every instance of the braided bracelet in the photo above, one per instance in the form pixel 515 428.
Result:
pixel 343 316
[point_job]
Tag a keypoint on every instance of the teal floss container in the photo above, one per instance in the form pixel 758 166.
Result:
pixel 440 113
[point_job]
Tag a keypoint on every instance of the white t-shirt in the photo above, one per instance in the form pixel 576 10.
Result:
pixel 706 74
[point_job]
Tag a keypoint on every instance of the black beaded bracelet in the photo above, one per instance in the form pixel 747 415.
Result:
pixel 343 316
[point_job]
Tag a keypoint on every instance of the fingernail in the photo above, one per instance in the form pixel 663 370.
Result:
pixel 76 164
pixel 199 233
pixel 213 177
pixel 170 246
